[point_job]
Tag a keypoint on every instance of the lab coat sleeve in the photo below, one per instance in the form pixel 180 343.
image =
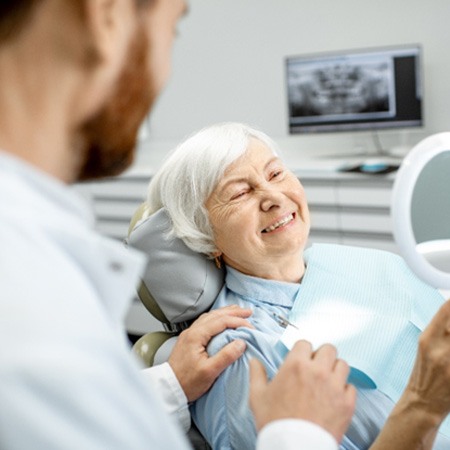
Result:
pixel 164 381
pixel 293 434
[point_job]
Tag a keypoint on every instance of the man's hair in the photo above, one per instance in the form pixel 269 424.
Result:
pixel 14 14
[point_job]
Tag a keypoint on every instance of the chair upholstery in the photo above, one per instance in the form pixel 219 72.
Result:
pixel 178 284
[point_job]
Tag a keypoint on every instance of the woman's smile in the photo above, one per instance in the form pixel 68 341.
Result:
pixel 280 224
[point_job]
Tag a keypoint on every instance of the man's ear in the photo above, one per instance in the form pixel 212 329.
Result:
pixel 111 23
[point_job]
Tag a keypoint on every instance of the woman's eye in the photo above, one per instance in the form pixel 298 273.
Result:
pixel 238 195
pixel 276 174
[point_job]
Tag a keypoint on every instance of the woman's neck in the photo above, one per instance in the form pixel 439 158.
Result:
pixel 284 269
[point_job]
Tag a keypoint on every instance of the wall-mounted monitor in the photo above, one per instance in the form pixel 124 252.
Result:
pixel 355 90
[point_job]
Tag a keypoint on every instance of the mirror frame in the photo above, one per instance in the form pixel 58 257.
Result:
pixel 401 200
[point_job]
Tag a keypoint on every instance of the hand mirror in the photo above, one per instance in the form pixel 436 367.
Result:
pixel 420 210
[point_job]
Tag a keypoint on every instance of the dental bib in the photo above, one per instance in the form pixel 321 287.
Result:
pixel 370 306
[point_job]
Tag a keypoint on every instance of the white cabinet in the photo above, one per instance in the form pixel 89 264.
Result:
pixel 350 209
pixel 114 201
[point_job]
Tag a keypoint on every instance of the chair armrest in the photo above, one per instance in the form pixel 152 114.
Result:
pixel 147 346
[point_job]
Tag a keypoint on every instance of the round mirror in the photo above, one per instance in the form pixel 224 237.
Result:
pixel 421 210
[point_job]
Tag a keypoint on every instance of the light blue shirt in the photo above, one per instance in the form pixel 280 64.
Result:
pixel 223 414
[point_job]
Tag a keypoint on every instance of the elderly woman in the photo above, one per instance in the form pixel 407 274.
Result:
pixel 231 197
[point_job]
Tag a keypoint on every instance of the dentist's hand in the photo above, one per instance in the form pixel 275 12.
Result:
pixel 309 385
pixel 195 370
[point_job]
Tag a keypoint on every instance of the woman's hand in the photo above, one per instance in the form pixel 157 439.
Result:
pixel 429 384
pixel 309 385
pixel 195 370
pixel 425 403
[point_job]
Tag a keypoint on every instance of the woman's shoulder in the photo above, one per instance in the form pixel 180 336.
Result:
pixel 248 335
pixel 258 344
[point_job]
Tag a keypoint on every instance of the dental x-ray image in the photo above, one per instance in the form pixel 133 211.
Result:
pixel 342 87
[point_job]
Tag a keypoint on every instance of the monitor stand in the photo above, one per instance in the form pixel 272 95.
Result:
pixel 379 155
pixel 389 156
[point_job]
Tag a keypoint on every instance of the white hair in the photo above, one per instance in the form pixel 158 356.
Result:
pixel 190 174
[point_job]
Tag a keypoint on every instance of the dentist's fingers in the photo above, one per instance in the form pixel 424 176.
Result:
pixel 326 354
pixel 216 364
pixel 231 310
pixel 309 385
pixel 193 367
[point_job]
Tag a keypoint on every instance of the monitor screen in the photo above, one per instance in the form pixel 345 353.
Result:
pixel 355 90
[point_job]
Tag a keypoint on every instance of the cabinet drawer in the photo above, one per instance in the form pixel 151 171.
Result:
pixel 324 220
pixel 115 209
pixel 115 229
pixel 119 189
pixel 371 222
pixel 320 193
pixel 364 194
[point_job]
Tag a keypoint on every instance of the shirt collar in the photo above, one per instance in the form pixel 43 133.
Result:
pixel 256 289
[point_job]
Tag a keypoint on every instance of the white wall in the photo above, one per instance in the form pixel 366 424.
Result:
pixel 228 64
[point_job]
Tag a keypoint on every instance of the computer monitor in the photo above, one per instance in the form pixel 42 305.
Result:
pixel 355 90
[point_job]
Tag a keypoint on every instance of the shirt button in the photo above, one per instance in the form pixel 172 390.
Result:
pixel 116 266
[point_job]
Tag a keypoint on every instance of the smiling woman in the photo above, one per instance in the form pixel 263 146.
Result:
pixel 264 208
pixel 230 196
pixel 192 172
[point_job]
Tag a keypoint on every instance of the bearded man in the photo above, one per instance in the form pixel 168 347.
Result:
pixel 78 78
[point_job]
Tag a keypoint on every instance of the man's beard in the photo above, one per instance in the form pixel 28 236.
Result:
pixel 107 141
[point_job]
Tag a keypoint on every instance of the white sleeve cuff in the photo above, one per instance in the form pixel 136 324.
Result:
pixel 295 434
pixel 164 381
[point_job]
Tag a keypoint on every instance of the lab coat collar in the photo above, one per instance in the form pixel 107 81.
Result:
pixel 55 192
pixel 67 221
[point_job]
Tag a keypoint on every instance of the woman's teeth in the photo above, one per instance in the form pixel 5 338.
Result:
pixel 279 224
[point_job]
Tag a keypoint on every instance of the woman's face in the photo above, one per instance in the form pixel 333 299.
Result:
pixel 259 213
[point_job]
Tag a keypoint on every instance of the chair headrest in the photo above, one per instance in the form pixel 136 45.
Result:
pixel 183 283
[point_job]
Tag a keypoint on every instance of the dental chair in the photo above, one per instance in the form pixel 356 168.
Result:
pixel 177 286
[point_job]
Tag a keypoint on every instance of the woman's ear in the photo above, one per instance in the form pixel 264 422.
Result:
pixel 218 258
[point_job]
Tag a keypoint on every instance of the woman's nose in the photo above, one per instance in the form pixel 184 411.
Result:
pixel 270 198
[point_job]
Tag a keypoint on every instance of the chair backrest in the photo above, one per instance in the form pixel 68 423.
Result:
pixel 144 295
pixel 178 284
